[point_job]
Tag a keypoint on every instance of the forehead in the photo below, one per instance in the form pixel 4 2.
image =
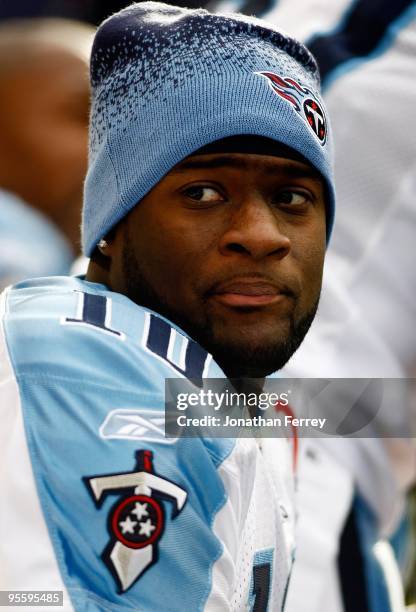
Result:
pixel 260 163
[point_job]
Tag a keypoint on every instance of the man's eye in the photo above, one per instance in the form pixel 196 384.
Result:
pixel 291 198
pixel 203 194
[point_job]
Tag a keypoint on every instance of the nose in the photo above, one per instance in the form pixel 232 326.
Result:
pixel 253 230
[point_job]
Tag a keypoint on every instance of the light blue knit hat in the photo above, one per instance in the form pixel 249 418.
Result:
pixel 167 81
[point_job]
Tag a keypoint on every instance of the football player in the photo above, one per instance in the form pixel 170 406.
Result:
pixel 208 205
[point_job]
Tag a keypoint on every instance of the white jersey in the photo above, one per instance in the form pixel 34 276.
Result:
pixel 96 502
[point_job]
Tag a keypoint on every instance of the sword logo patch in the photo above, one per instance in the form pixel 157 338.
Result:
pixel 136 522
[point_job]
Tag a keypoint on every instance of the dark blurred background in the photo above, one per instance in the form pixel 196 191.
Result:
pixel 93 11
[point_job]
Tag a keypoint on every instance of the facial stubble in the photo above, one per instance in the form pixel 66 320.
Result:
pixel 237 360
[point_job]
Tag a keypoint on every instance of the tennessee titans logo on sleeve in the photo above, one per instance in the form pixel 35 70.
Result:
pixel 302 99
pixel 136 522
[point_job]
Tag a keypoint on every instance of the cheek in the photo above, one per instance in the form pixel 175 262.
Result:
pixel 171 254
pixel 310 257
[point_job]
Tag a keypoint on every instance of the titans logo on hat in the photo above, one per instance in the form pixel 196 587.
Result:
pixel 303 99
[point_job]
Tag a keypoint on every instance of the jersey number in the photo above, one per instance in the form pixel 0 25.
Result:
pixel 181 353
pixel 94 311
pixel 261 581
pixel 261 587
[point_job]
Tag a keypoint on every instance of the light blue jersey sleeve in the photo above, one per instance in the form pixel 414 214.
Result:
pixel 130 514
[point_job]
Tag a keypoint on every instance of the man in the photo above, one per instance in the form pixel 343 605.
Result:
pixel 208 205
pixel 44 93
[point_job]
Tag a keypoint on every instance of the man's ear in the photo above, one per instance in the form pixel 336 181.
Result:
pixel 103 252
pixel 105 244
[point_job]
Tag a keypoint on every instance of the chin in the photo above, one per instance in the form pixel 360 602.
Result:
pixel 258 350
pixel 255 336
pixel 251 359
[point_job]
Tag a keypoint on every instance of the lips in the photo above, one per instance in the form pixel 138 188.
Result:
pixel 249 293
pixel 247 288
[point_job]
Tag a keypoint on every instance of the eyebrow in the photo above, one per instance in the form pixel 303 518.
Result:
pixel 289 169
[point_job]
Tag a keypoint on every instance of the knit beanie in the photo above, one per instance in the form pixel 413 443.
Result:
pixel 167 81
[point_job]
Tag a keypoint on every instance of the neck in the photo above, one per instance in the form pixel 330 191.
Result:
pixel 97 272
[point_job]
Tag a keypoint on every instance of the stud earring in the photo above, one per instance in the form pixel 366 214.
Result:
pixel 102 245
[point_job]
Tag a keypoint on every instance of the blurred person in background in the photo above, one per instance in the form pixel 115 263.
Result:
pixel 44 105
